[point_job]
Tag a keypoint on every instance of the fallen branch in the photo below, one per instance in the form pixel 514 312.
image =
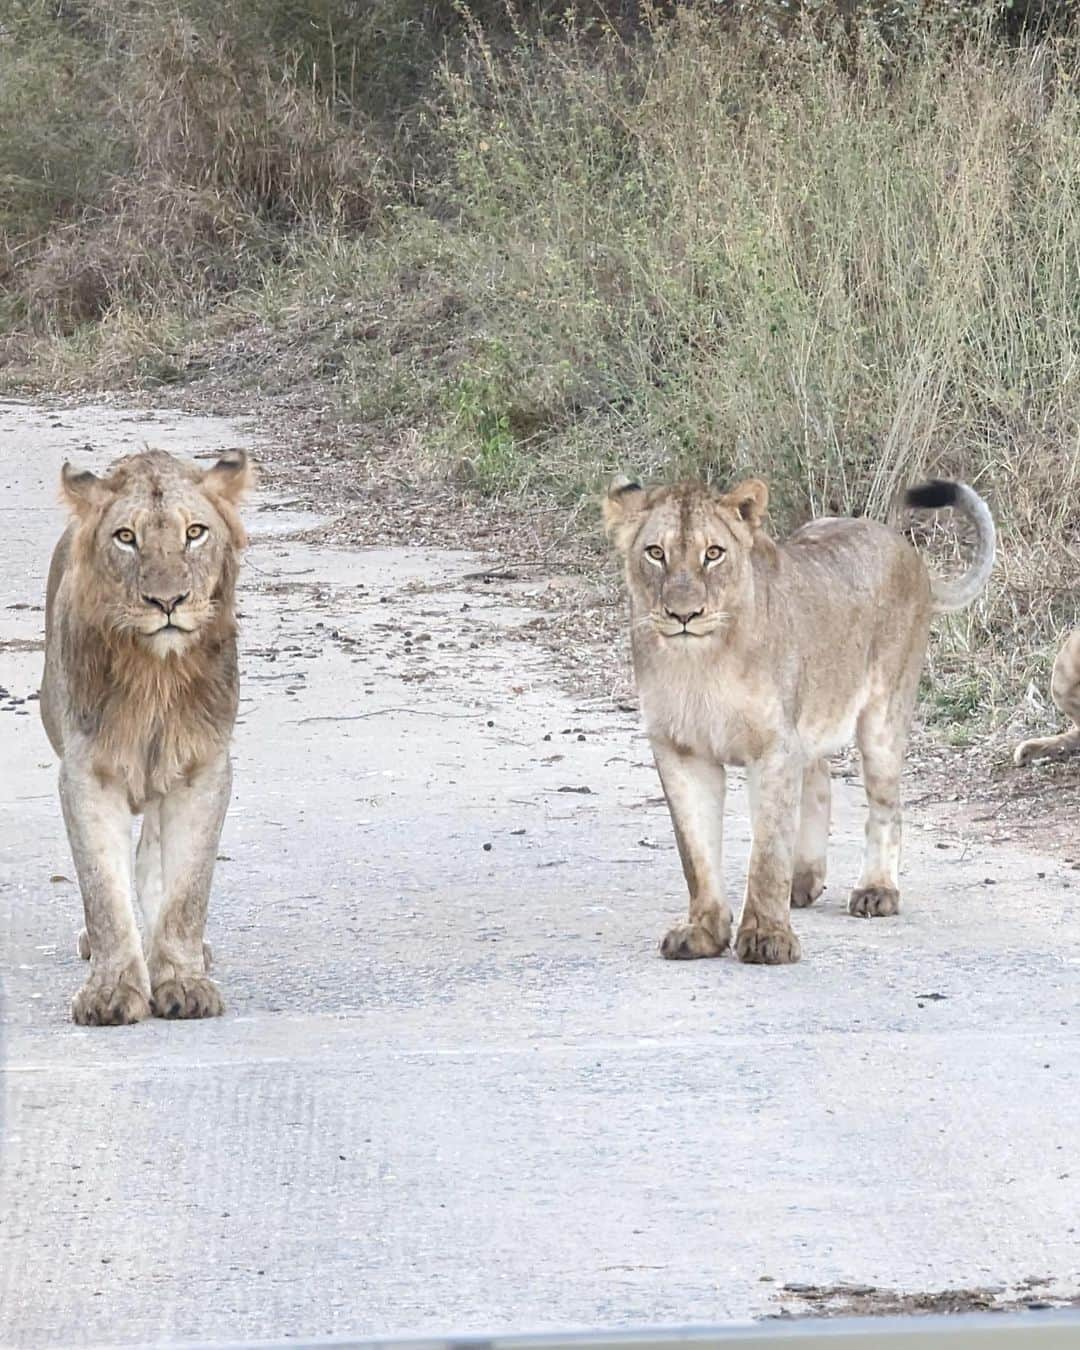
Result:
pixel 379 712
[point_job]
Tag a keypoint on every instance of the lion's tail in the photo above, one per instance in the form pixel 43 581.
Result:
pixel 953 594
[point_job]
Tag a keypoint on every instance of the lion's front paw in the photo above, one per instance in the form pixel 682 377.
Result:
pixel 187 996
pixel 806 887
pixel 767 945
pixel 111 1000
pixel 689 941
pixel 874 901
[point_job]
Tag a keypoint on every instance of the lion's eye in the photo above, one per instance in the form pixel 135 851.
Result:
pixel 196 532
pixel 125 537
pixel 714 553
pixel 655 552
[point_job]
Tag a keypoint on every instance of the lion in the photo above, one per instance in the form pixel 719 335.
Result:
pixel 1065 691
pixel 139 697
pixel 772 656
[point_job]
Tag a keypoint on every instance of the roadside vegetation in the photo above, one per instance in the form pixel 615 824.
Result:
pixel 837 246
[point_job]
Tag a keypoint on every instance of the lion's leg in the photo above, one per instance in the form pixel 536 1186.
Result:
pixel 98 820
pixel 812 843
pixel 149 886
pixel 148 882
pixel 1042 747
pixel 1065 691
pixel 694 789
pixel 192 815
pixel 765 935
pixel 882 740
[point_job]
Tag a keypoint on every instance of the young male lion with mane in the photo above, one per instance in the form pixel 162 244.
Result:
pixel 772 656
pixel 139 698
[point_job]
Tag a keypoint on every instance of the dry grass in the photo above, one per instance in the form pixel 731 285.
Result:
pixel 170 161
pixel 840 264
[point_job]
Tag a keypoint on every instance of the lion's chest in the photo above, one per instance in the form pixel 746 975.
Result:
pixel 716 719
pixel 149 756
pixel 153 732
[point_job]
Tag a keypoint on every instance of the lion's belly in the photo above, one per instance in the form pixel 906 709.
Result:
pixel 826 735
pixel 826 723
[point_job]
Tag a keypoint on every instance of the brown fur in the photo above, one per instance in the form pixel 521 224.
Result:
pixel 139 700
pixel 1065 691
pixel 772 656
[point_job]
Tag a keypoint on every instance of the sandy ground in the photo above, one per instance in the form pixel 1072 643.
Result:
pixel 455 1088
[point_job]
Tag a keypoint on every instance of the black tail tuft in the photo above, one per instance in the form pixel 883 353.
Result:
pixel 617 489
pixel 932 496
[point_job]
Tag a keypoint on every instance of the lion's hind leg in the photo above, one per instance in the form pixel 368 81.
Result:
pixel 882 738
pixel 812 843
pixel 1065 691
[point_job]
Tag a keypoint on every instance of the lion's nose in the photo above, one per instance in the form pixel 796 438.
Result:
pixel 685 617
pixel 166 603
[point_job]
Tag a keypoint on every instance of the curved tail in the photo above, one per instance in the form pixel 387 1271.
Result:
pixel 955 593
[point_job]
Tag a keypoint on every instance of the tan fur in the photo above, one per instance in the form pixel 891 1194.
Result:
pixel 139 698
pixel 771 656
pixel 1065 691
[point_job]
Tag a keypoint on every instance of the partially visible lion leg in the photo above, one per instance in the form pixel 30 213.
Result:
pixel 191 817
pixel 882 737
pixel 149 886
pixel 812 843
pixel 1042 747
pixel 1065 691
pixel 694 789
pixel 98 820
pixel 149 881
pixel 765 935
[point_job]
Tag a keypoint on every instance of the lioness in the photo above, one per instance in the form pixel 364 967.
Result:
pixel 772 656
pixel 138 699
pixel 1065 691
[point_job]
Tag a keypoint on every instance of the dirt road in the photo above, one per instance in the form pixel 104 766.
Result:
pixel 456 1089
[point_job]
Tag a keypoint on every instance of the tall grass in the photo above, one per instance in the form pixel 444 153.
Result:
pixel 841 274
pixel 840 259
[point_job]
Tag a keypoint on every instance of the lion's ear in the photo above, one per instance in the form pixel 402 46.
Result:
pixel 82 490
pixel 622 505
pixel 748 499
pixel 231 477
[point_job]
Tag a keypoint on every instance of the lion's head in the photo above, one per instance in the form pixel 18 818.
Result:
pixel 687 551
pixel 156 543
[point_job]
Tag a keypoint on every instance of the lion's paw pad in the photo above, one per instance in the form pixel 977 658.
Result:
pixel 805 889
pixel 872 902
pixel 690 941
pixel 187 996
pixel 772 946
pixel 109 1003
